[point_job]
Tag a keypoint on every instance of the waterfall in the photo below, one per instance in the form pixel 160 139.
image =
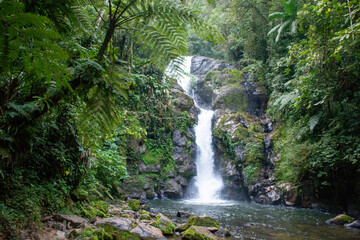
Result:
pixel 207 182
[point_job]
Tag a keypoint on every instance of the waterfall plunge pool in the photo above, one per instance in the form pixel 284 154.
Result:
pixel 255 221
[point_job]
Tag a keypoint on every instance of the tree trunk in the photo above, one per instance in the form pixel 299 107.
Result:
pixel 105 44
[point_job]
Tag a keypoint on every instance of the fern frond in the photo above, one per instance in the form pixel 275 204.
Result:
pixel 314 120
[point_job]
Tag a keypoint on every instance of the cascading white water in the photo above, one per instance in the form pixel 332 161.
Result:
pixel 207 182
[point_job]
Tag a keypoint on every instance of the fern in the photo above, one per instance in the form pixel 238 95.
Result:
pixel 314 120
pixel 285 99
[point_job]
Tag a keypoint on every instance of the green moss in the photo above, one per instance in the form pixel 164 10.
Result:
pixel 346 219
pixel 165 225
pixel 80 194
pixel 191 234
pixel 88 211
pixel 134 204
pixel 253 152
pixel 125 235
pixel 233 98
pixel 152 157
pixel 145 217
pixel 144 212
pixel 100 206
pixel 93 234
pixel 211 76
pixel 203 221
pixel 251 172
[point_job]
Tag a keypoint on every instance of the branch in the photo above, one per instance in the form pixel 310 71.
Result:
pixel 125 9
pixel 99 13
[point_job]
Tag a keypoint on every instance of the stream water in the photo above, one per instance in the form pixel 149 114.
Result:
pixel 255 221
pixel 245 220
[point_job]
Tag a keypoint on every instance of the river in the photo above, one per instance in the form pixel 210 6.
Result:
pixel 255 221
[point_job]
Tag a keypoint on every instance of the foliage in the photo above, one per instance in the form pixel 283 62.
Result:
pixel 288 17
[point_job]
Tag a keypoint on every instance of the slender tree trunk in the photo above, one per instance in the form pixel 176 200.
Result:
pixel 108 36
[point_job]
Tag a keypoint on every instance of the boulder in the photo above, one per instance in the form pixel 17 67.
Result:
pixel 203 221
pixel 173 189
pixel 184 102
pixel 73 220
pixel 166 226
pixel 148 232
pixel 182 214
pixel 116 222
pixel 340 219
pixel 196 233
pixel 354 224
pixel 202 65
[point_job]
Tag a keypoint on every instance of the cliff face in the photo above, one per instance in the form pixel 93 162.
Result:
pixel 155 174
pixel 242 133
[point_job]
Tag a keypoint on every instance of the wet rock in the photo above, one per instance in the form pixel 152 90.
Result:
pixel 182 214
pixel 196 233
pixel 148 232
pixel 354 224
pixel 289 194
pixel 224 232
pixel 340 219
pixel 202 65
pixel 117 222
pixel 74 220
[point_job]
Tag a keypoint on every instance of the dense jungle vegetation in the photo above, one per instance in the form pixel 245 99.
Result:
pixel 306 55
pixel 81 78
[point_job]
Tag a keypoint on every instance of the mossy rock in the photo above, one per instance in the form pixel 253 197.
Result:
pixel 88 211
pixel 101 208
pixel 234 98
pixel 92 234
pixel 203 221
pixel 166 226
pixel 340 220
pixel 198 233
pixel 79 194
pixel 145 217
pixel 125 234
pixel 134 204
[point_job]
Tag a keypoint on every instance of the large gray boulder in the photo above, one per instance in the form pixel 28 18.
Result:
pixel 117 222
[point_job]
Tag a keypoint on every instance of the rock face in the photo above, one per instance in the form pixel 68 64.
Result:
pixel 242 133
pixel 154 180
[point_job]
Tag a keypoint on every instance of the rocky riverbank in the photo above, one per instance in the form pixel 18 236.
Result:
pixel 128 220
